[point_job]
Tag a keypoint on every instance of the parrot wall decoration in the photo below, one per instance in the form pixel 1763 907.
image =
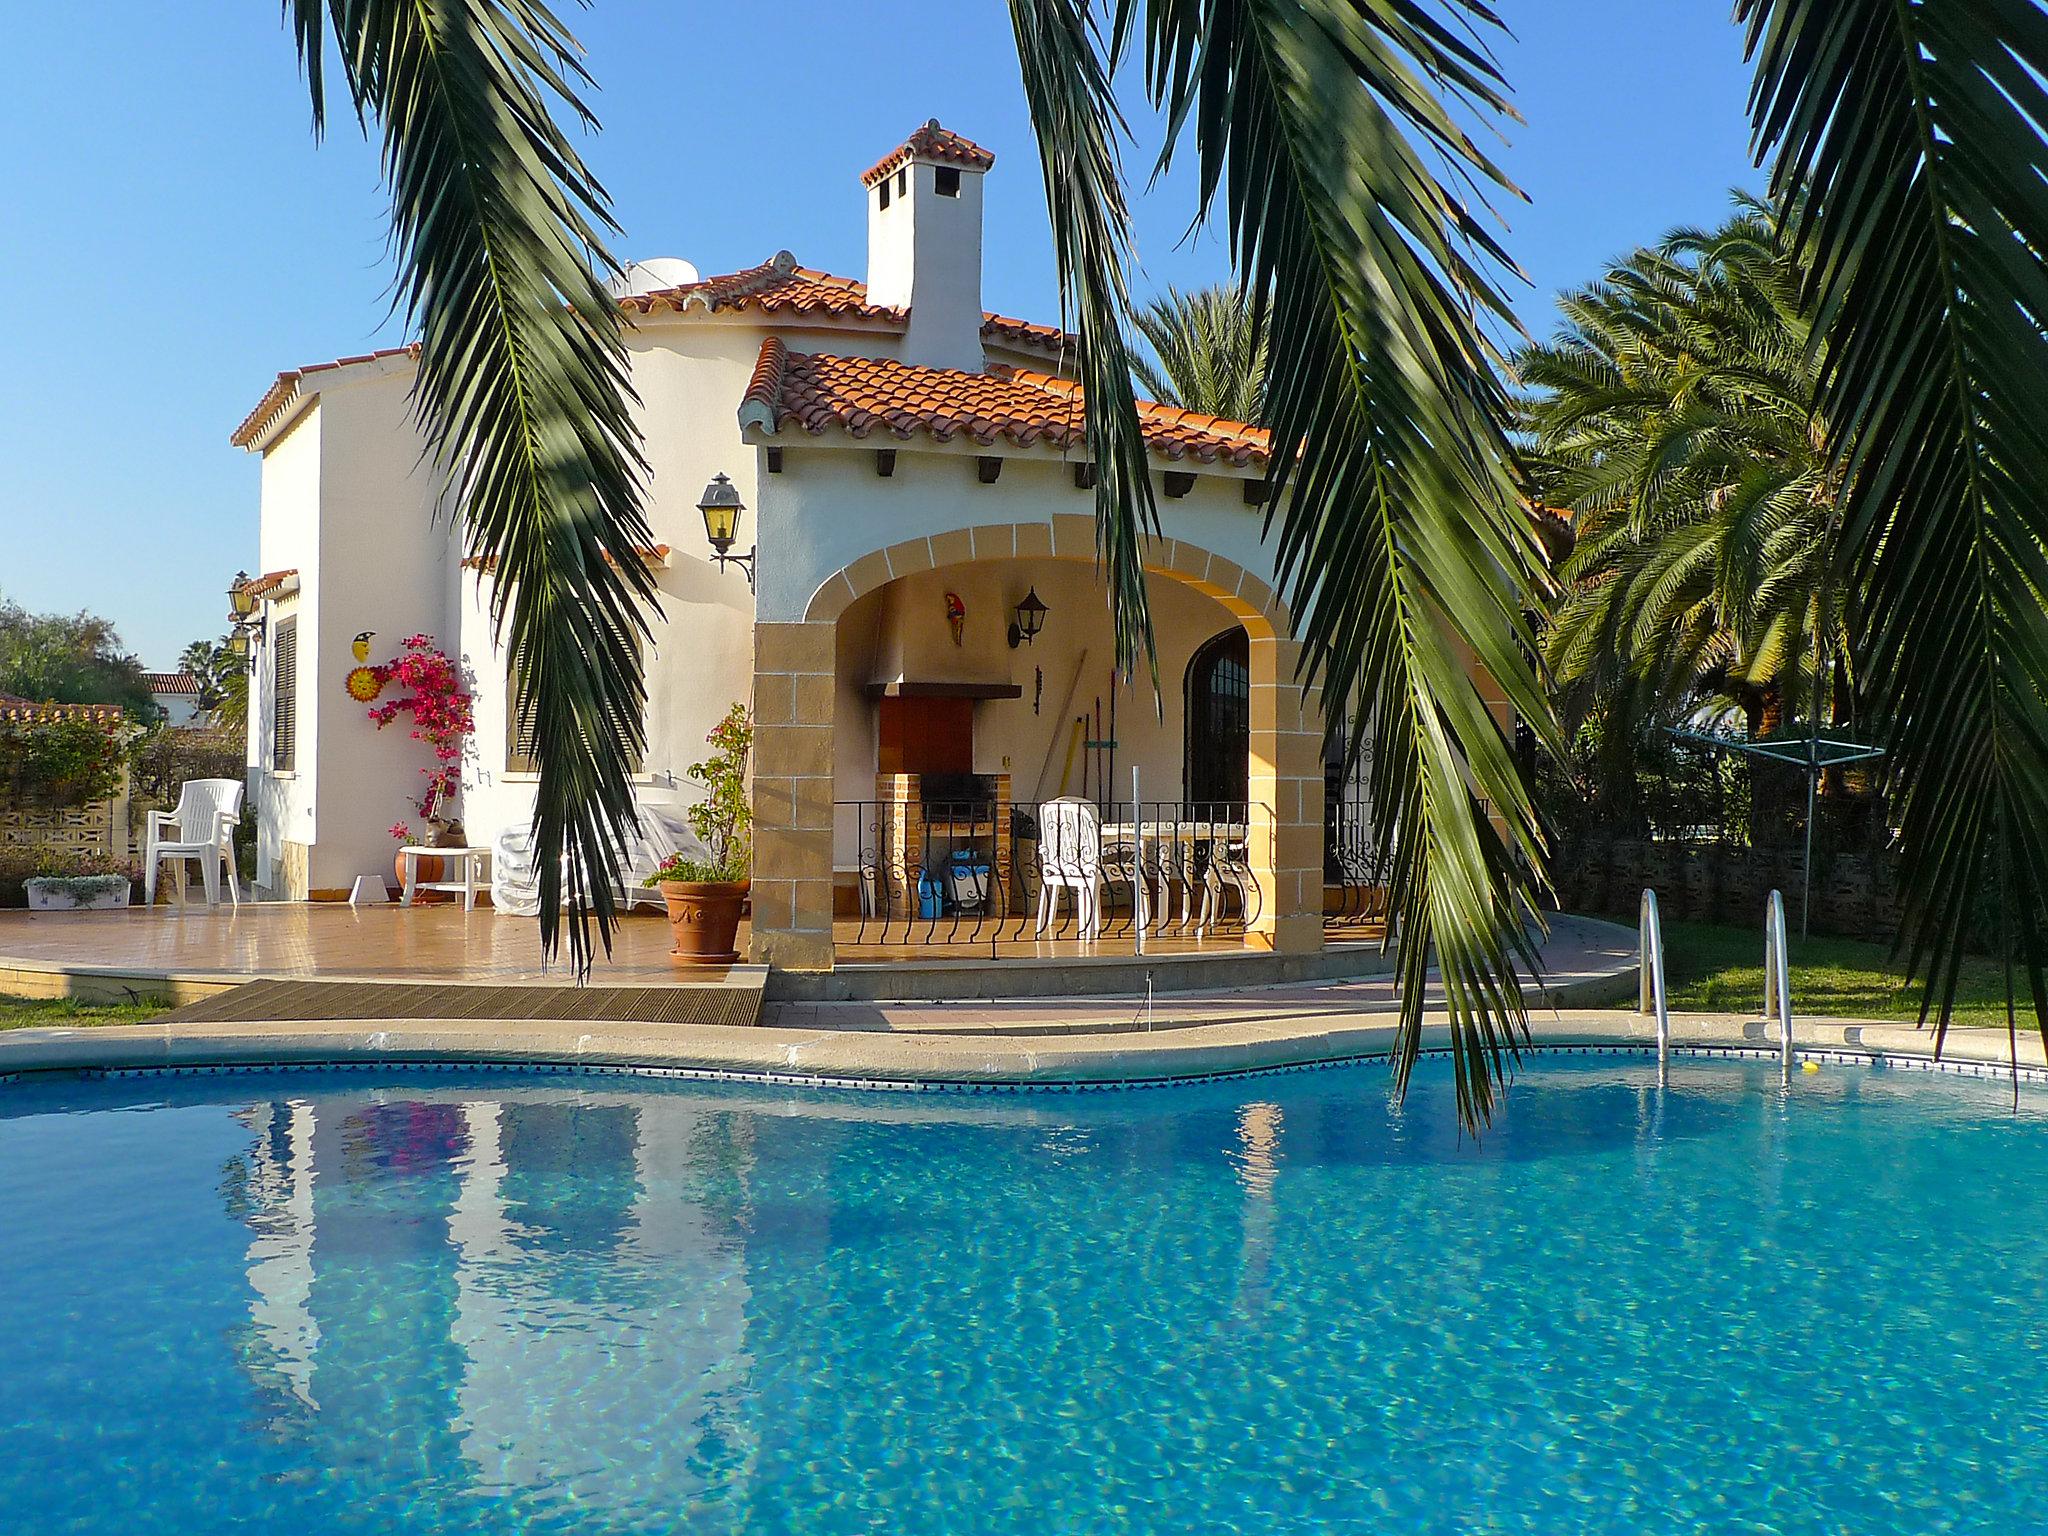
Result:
pixel 364 682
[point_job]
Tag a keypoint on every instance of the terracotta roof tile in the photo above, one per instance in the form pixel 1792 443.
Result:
pixel 1028 333
pixel 281 394
pixel 777 285
pixel 931 142
pixel 15 711
pixel 171 682
pixel 269 582
pixel 861 395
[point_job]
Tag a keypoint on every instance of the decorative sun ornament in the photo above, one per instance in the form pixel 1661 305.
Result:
pixel 364 684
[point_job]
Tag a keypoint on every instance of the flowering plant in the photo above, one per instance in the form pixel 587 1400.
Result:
pixel 723 818
pixel 442 717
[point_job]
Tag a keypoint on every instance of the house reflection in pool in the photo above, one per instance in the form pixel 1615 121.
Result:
pixel 537 1367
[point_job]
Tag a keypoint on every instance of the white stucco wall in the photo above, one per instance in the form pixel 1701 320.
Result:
pixel 829 507
pixel 689 375
pixel 384 558
pixel 288 539
pixel 348 502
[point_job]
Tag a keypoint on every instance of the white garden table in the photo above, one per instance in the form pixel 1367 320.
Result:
pixel 1171 868
pixel 468 860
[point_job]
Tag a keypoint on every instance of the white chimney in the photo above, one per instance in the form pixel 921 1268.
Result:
pixel 924 244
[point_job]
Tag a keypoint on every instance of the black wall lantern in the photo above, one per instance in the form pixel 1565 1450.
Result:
pixel 1029 621
pixel 722 507
pixel 244 626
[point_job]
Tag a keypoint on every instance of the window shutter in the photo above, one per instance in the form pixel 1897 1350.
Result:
pixel 284 718
pixel 521 741
pixel 520 746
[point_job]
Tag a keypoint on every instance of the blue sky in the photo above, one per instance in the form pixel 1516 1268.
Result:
pixel 176 238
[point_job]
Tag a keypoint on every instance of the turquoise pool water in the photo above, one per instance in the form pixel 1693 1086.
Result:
pixel 348 1302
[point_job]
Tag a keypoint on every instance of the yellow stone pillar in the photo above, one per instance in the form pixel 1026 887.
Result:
pixel 1285 788
pixel 792 768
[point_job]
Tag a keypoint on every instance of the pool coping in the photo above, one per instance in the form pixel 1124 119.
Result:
pixel 838 1058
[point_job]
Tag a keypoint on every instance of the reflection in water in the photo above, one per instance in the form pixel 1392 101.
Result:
pixel 484 1305
pixel 1258 1166
pixel 503 1286
pixel 272 1190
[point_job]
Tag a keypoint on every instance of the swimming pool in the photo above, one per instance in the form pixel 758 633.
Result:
pixel 378 1300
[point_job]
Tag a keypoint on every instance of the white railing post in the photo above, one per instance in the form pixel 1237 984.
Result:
pixel 1778 982
pixel 1650 996
pixel 1140 913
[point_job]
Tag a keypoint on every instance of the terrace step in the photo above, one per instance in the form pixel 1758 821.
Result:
pixel 736 1002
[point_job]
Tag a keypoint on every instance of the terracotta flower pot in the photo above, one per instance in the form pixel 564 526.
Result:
pixel 705 916
pixel 429 869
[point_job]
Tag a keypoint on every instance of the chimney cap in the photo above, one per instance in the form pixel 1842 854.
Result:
pixel 931 142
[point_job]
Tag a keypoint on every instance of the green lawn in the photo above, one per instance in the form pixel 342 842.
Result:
pixel 1711 969
pixel 37 1012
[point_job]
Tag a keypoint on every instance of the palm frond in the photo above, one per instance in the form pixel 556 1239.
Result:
pixel 1066 80
pixel 522 387
pixel 1316 125
pixel 1918 128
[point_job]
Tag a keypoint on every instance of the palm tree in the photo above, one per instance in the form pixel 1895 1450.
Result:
pixel 522 386
pixel 223 674
pixel 1674 419
pixel 1331 136
pixel 1916 130
pixel 1208 352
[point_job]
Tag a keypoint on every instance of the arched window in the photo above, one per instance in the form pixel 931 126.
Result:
pixel 1219 719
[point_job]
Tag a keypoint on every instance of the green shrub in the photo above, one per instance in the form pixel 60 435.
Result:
pixel 59 762
pixel 168 756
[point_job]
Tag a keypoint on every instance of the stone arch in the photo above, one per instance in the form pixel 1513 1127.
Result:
pixel 1068 536
pixel 794 672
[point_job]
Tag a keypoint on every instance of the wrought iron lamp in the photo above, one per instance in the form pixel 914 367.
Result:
pixel 244 626
pixel 721 506
pixel 1029 621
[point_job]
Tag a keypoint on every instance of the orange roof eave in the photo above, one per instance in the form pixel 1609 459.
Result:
pixel 1020 408
pixel 777 291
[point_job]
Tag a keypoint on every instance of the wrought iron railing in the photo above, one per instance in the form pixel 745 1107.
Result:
pixel 985 873
pixel 1354 874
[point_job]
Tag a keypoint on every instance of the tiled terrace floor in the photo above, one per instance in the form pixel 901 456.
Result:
pixel 445 944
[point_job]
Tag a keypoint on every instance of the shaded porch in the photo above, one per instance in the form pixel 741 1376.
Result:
pixel 904 772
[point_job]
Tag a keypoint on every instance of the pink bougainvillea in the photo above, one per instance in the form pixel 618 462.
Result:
pixel 442 717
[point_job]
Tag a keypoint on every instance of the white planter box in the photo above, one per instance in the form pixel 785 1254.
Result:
pixel 102 894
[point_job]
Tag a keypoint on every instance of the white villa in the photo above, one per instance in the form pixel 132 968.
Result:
pixel 912 469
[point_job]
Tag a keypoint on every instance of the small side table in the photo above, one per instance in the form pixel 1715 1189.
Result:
pixel 468 860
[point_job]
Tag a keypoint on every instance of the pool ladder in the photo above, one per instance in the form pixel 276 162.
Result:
pixel 1778 983
pixel 1651 998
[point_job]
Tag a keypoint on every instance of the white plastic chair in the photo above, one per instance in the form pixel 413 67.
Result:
pixel 1070 859
pixel 1228 869
pixel 663 831
pixel 202 828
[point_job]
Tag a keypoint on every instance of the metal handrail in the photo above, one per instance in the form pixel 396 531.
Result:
pixel 1778 982
pixel 1650 996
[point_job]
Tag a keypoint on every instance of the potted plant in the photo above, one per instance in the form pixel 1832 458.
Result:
pixel 705 896
pixel 87 884
pixel 441 709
